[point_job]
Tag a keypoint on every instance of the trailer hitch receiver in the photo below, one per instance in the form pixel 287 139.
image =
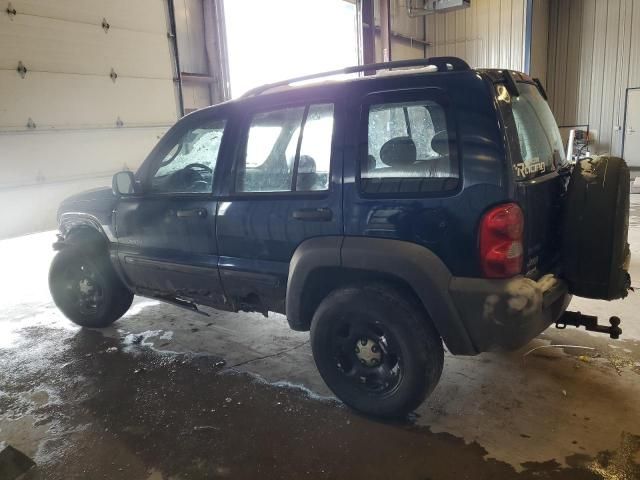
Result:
pixel 590 322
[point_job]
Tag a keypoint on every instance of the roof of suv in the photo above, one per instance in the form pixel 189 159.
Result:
pixel 408 67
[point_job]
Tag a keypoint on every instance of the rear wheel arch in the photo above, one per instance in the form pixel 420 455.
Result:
pixel 405 266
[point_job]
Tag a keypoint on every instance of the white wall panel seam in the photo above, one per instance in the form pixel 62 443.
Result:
pixel 93 75
pixel 97 24
pixel 138 16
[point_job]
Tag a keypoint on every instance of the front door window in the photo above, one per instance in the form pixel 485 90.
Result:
pixel 187 165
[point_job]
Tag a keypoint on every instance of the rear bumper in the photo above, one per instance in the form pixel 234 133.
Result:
pixel 506 314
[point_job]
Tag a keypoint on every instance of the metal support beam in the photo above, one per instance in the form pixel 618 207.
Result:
pixel 174 45
pixel 216 50
pixel 385 29
pixel 368 34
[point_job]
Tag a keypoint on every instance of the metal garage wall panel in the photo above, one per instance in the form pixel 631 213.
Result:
pixel 610 67
pixel 586 48
pixel 605 36
pixel 430 26
pixel 139 15
pixel 517 40
pixel 504 42
pixel 79 101
pixel 561 61
pixel 195 96
pixel 573 59
pixel 439 41
pixel 46 157
pixel 75 144
pixel 488 34
pixel 401 22
pixel 47 45
pixel 552 52
pixel 450 33
pixel 39 204
pixel 401 49
pixel 494 32
pixel 597 61
pixel 540 39
pixel 190 31
pixel 634 54
pixel 471 24
pixel 621 75
pixel 461 31
pixel 482 40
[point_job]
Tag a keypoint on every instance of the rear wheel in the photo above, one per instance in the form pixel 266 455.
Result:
pixel 376 350
pixel 86 288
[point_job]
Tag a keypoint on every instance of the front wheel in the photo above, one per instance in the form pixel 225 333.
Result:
pixel 86 288
pixel 376 349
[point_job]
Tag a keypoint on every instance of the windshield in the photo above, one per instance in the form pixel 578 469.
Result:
pixel 541 147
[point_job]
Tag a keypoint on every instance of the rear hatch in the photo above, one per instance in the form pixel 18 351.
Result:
pixel 536 153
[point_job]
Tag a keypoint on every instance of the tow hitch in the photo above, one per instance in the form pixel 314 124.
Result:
pixel 590 322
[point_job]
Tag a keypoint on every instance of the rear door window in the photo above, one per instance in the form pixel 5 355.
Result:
pixel 541 147
pixel 287 150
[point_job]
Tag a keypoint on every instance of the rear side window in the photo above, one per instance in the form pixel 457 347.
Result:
pixel 408 149
pixel 287 150
pixel 541 147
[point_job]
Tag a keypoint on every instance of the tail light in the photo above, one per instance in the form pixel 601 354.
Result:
pixel 501 241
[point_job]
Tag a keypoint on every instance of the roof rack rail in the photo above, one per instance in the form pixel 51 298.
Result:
pixel 444 64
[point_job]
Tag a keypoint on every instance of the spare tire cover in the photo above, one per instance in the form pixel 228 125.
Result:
pixel 595 251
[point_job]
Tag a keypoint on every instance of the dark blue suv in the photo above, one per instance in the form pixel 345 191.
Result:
pixel 386 214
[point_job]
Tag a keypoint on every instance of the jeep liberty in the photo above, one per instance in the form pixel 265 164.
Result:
pixel 389 214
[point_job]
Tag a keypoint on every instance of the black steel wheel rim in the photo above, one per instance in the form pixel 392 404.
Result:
pixel 367 355
pixel 83 288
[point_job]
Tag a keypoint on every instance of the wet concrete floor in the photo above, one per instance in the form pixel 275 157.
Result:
pixel 166 394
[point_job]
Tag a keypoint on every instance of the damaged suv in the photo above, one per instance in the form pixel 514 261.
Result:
pixel 388 214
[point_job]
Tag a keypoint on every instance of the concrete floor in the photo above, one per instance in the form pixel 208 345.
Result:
pixel 165 394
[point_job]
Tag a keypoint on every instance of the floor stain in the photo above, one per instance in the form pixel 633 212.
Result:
pixel 143 414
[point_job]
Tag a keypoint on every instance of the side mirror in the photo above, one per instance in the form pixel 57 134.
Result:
pixel 124 184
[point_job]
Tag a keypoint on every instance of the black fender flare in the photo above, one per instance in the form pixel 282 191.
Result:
pixel 73 222
pixel 413 264
pixel 84 231
pixel 310 255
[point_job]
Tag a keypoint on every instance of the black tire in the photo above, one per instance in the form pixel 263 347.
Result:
pixel 407 342
pixel 596 222
pixel 86 288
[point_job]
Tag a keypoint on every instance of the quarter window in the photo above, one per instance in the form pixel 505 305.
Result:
pixel 287 149
pixel 408 149
pixel 541 145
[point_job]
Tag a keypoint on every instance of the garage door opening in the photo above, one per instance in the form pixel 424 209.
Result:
pixel 270 41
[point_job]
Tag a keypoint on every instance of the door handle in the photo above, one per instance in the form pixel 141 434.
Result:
pixel 192 212
pixel 313 214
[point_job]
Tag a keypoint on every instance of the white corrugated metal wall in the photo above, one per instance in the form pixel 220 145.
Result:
pixel 593 57
pixel 66 125
pixel 539 39
pixel 490 33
